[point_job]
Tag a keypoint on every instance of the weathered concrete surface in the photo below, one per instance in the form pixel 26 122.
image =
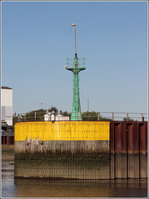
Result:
pixel 62 159
pixel 36 148
pixel 72 168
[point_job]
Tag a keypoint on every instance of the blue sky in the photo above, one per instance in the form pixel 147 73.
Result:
pixel 111 36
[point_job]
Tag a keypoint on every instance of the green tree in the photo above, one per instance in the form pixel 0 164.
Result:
pixel 90 116
pixel 65 113
pixel 93 116
pixel 37 115
pixel 104 119
pixel 53 108
pixel 15 118
pixel 127 119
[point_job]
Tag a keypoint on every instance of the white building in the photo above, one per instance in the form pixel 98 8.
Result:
pixel 51 117
pixel 7 105
pixel 62 118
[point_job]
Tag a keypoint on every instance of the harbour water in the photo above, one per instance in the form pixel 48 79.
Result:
pixel 69 188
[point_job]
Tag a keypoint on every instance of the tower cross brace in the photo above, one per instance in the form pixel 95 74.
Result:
pixel 76 106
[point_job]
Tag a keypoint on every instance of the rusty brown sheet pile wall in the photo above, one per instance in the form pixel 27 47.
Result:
pixel 128 137
pixel 128 147
pixel 7 140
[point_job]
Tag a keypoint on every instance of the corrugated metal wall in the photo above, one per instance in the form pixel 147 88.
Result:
pixel 128 147
pixel 61 130
pixel 7 135
pixel 7 140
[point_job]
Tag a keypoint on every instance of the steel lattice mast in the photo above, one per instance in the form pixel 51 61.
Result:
pixel 76 107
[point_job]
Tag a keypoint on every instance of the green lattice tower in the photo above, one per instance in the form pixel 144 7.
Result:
pixel 76 107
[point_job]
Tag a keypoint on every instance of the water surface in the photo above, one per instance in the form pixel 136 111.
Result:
pixel 69 188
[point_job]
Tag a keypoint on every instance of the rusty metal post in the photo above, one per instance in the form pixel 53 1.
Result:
pixel 133 150
pixel 7 140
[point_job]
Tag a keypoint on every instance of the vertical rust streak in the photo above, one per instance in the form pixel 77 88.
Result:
pixel 124 141
pixel 138 130
pixel 136 138
pixel 118 143
pixel 143 138
pixel 130 138
pixel 112 150
pixel 124 151
pixel 112 138
pixel 127 145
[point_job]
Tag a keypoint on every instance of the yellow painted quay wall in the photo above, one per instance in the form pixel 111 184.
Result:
pixel 59 130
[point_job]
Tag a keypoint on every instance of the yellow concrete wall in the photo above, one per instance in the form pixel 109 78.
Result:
pixel 71 130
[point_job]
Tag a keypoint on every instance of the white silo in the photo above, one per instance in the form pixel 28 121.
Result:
pixel 7 105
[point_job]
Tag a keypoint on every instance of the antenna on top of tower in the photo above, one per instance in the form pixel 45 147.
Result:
pixel 75 34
